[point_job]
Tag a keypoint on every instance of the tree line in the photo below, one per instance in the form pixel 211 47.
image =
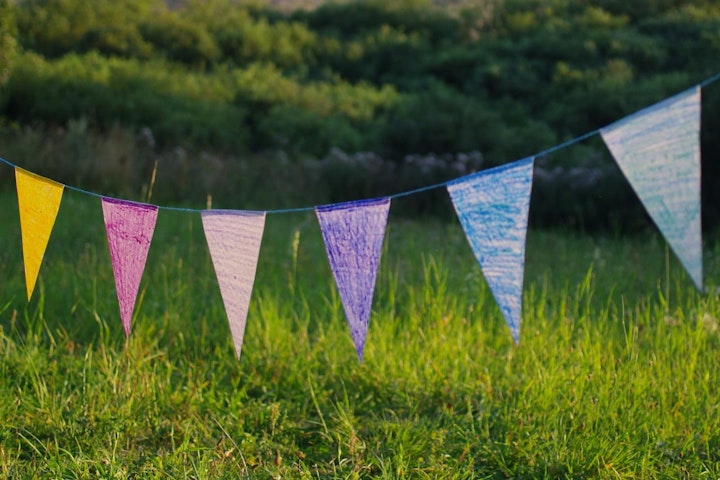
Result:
pixel 506 78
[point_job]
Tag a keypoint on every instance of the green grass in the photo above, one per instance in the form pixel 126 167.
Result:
pixel 615 375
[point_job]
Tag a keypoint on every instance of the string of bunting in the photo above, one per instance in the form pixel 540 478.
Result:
pixel 657 149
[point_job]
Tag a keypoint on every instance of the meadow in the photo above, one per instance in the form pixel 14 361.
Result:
pixel 616 371
pixel 615 375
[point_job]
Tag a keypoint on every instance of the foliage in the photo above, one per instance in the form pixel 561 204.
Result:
pixel 506 77
pixel 441 120
pixel 56 27
pixel 108 91
pixel 306 132
pixel 181 40
pixel 8 43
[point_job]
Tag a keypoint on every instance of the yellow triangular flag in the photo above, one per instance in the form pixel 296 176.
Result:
pixel 39 202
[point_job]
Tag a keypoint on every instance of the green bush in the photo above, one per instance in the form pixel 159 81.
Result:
pixel 304 132
pixel 56 27
pixel 115 40
pixel 8 43
pixel 111 91
pixel 507 78
pixel 356 18
pixel 441 121
pixel 181 40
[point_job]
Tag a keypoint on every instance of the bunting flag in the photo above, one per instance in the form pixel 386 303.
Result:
pixel 234 239
pixel 38 201
pixel 130 227
pixel 493 206
pixel 658 150
pixel 353 233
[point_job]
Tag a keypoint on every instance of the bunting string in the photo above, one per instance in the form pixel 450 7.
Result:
pixel 708 81
pixel 656 148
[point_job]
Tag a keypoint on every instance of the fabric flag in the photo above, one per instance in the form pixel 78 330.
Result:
pixel 39 202
pixel 353 233
pixel 130 227
pixel 234 239
pixel 658 150
pixel 493 206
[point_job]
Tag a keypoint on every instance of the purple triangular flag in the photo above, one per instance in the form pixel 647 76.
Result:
pixel 353 234
pixel 493 206
pixel 234 239
pixel 658 150
pixel 130 227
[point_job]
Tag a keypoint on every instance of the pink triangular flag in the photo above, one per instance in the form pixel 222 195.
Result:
pixel 353 234
pixel 130 227
pixel 234 239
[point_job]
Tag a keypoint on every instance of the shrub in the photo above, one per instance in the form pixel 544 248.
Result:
pixel 356 18
pixel 57 27
pixel 115 40
pixel 441 121
pixel 8 44
pixel 181 40
pixel 107 92
pixel 304 132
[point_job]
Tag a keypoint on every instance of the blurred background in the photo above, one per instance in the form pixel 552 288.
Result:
pixel 281 104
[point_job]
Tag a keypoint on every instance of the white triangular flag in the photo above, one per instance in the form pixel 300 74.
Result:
pixel 234 239
pixel 658 150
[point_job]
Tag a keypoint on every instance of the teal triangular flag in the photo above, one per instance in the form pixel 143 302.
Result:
pixel 658 150
pixel 353 233
pixel 493 206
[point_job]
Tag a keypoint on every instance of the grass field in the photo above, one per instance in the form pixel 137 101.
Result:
pixel 616 374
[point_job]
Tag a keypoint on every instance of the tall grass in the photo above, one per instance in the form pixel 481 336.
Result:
pixel 615 375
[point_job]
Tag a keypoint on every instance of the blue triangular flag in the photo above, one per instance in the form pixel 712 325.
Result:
pixel 493 206
pixel 353 234
pixel 658 150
